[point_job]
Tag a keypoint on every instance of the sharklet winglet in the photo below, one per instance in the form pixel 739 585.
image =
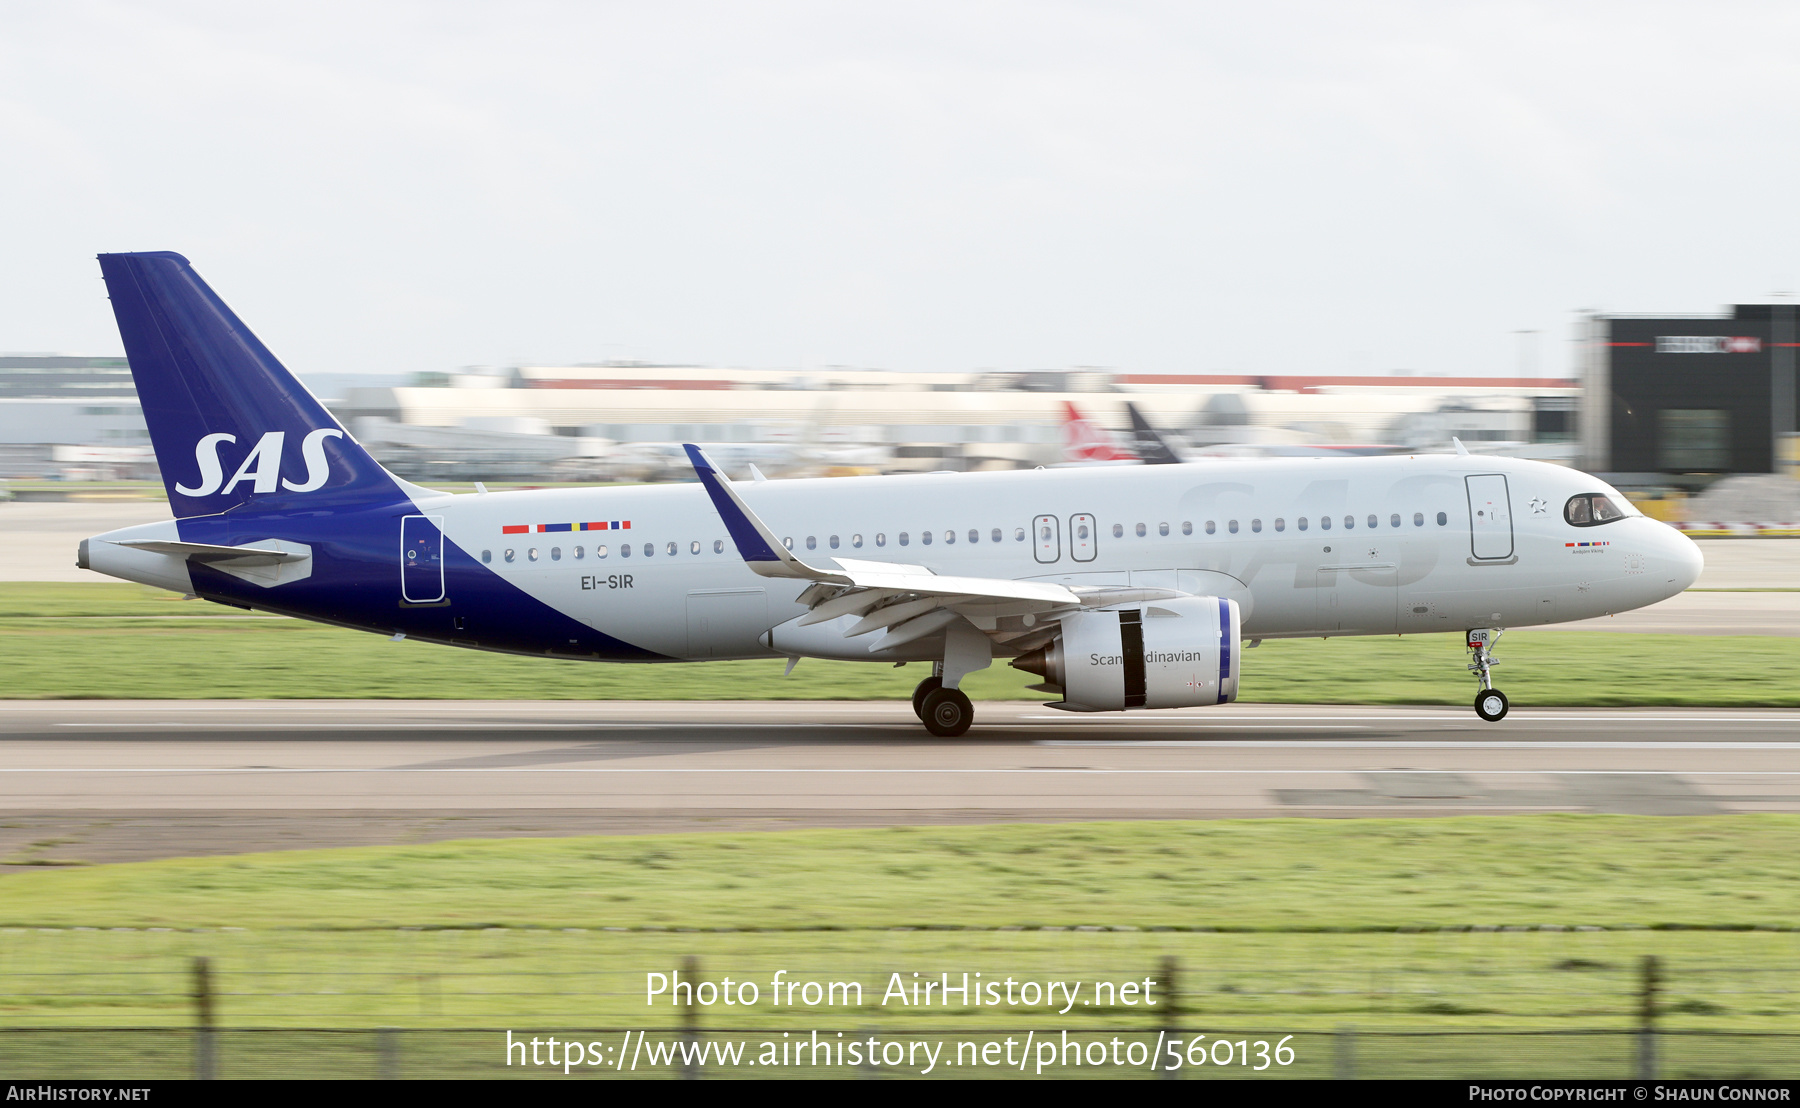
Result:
pixel 756 544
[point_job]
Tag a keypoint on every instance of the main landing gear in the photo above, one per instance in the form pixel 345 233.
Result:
pixel 943 708
pixel 1490 703
pixel 945 713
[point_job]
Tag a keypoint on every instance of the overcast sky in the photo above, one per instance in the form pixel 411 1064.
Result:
pixel 1265 188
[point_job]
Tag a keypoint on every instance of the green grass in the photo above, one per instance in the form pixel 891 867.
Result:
pixel 562 932
pixel 127 641
pixel 1740 871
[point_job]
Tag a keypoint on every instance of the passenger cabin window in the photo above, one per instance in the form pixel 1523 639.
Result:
pixel 880 539
pixel 974 535
pixel 1118 530
pixel 580 553
pixel 1349 523
pixel 1418 519
pixel 718 547
pixel 599 551
pixel 556 553
pixel 903 538
pixel 1256 526
pixel 694 547
pixel 1162 529
pixel 1591 509
pixel 670 550
pixel 856 541
pixel 650 549
pixel 1280 524
pixel 1373 520
pixel 1140 530
pixel 1301 523
pixel 1443 519
pixel 994 535
pixel 1394 520
pixel 624 550
pixel 1232 526
pixel 1211 527
pixel 788 542
pixel 812 542
pixel 924 537
pixel 487 556
pixel 1324 523
pixel 532 554
pixel 1187 526
pixel 1018 534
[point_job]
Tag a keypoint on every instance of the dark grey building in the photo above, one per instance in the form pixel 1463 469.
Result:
pixel 1686 399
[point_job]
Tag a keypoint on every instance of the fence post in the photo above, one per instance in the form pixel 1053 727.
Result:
pixel 690 1021
pixel 1171 1014
pixel 1343 1054
pixel 387 1051
pixel 1646 1053
pixel 205 1060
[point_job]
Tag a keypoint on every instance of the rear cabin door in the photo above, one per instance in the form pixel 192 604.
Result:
pixel 1047 539
pixel 421 559
pixel 1490 516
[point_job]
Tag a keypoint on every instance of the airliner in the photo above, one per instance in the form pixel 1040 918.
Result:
pixel 1121 587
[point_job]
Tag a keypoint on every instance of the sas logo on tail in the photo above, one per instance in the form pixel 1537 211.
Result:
pixel 262 466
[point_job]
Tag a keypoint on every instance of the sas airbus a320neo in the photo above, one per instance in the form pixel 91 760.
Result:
pixel 1123 587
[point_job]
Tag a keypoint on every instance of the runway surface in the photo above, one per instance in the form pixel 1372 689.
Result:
pixel 121 780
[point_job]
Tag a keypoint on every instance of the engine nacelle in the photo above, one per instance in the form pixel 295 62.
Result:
pixel 1164 654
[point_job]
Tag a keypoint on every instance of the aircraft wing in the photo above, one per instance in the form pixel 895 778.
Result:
pixel 907 601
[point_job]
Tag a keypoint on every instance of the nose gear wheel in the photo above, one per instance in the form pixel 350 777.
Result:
pixel 1490 704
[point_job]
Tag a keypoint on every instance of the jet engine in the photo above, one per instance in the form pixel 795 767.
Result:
pixel 1165 654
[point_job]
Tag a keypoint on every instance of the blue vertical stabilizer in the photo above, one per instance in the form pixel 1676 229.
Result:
pixel 230 425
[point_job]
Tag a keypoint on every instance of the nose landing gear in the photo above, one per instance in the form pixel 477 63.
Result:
pixel 1490 703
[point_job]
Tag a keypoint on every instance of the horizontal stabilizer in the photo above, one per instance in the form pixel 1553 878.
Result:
pixel 207 552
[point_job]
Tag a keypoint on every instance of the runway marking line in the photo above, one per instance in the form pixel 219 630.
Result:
pixel 1521 717
pixel 1149 772
pixel 1427 744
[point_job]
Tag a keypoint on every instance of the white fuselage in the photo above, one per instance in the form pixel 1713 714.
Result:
pixel 1408 549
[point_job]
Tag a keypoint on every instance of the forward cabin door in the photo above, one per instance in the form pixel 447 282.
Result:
pixel 421 559
pixel 1490 517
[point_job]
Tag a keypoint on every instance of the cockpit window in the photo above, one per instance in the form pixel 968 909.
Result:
pixel 1591 509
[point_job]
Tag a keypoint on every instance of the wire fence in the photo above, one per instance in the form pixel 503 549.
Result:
pixel 1193 1030
pixel 672 1051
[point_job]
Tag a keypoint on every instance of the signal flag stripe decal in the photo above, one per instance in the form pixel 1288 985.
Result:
pixel 526 528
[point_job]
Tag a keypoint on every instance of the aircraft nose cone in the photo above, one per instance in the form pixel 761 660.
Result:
pixel 1684 561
